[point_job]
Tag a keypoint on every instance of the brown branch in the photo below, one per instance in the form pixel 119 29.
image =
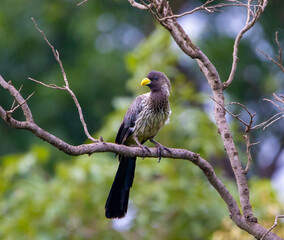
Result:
pixel 213 78
pixel 19 99
pixel 275 117
pixel 247 130
pixel 247 135
pixel 138 5
pixel 208 9
pixel 13 109
pixel 274 225
pixel 188 47
pixel 266 122
pixel 120 149
pixel 252 18
pixel 278 59
pixel 82 2
pixel 66 87
pixel 13 104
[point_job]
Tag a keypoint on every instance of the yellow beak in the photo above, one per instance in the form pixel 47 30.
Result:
pixel 145 81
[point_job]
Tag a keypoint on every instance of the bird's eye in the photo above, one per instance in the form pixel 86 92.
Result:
pixel 155 78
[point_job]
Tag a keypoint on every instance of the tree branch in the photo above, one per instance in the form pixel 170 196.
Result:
pixel 138 5
pixel 278 58
pixel 252 18
pixel 162 12
pixel 274 225
pixel 213 78
pixel 118 149
pixel 66 87
pixel 209 9
pixel 82 2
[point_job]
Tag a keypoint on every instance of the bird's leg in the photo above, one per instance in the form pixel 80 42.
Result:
pixel 142 146
pixel 159 147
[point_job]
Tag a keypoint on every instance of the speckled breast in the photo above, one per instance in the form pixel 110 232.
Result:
pixel 150 121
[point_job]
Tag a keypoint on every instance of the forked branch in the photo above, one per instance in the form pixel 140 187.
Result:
pixel 66 86
pixel 253 14
pixel 278 58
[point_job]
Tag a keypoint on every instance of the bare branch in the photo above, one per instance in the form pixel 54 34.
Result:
pixel 275 120
pixel 19 105
pixel 247 135
pixel 53 86
pixel 233 115
pixel 66 87
pixel 213 78
pixel 82 2
pixel 274 225
pixel 13 104
pixel 19 99
pixel 138 5
pixel 278 60
pixel 252 17
pixel 247 130
pixel 208 9
pixel 266 122
pixel 123 150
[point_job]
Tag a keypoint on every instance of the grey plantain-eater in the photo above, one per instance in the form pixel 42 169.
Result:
pixel 142 121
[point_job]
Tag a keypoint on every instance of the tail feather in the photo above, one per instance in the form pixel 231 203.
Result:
pixel 117 201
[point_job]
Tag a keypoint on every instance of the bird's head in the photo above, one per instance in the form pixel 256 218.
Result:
pixel 157 81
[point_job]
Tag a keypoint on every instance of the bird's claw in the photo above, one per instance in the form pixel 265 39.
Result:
pixel 144 149
pixel 160 148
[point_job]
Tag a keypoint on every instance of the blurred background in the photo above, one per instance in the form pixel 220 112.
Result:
pixel 107 47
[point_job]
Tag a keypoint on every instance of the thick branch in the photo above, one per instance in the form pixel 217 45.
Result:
pixel 162 11
pixel 128 151
pixel 214 81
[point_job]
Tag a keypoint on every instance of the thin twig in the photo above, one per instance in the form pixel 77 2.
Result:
pixel 269 100
pixel 53 86
pixel 252 18
pixel 275 120
pixel 138 5
pixel 209 9
pixel 20 104
pixel 274 225
pixel 66 87
pixel 266 122
pixel 247 130
pixel 19 99
pixel 278 60
pixel 82 2
pixel 233 115
pixel 13 104
pixel 149 7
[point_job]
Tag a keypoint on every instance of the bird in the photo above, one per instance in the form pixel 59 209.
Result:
pixel 142 121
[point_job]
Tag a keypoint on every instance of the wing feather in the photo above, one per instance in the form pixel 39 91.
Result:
pixel 126 127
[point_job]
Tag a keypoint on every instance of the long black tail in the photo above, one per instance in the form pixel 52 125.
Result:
pixel 117 201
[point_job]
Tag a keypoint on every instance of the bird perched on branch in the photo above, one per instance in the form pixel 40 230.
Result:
pixel 142 121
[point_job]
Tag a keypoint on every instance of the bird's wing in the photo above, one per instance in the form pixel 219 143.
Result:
pixel 126 127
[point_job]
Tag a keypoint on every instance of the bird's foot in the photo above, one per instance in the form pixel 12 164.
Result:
pixel 144 149
pixel 160 148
